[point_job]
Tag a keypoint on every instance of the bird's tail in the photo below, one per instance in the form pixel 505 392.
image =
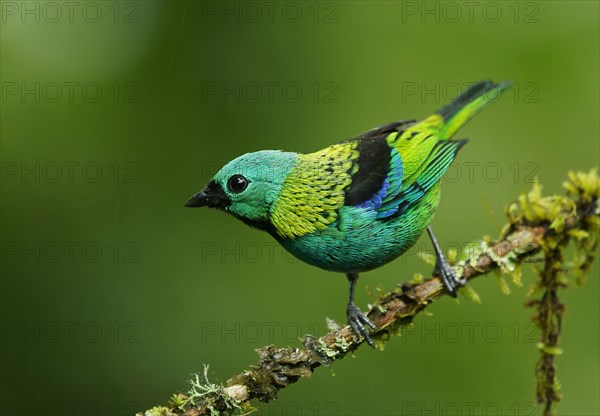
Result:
pixel 418 142
pixel 467 105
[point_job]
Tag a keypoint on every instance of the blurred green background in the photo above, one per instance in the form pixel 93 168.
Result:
pixel 114 113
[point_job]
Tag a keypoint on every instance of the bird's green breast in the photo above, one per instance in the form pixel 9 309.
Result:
pixel 358 242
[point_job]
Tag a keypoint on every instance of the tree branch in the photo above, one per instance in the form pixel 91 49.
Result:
pixel 535 225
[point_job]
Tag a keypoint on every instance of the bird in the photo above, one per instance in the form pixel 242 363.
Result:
pixel 358 204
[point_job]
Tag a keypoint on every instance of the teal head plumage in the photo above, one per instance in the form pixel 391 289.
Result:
pixel 355 205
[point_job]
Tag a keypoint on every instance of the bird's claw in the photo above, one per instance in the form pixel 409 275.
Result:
pixel 357 321
pixel 448 276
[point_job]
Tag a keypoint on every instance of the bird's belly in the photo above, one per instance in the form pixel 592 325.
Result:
pixel 358 243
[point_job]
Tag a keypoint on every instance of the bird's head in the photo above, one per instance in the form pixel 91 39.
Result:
pixel 248 186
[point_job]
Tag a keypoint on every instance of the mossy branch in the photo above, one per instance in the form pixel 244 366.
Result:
pixel 535 225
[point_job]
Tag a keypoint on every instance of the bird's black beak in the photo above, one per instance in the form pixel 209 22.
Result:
pixel 198 200
pixel 211 196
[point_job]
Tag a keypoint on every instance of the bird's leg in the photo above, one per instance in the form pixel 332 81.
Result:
pixel 356 319
pixel 442 267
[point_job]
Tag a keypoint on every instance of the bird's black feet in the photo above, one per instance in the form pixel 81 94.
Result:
pixel 358 322
pixel 443 269
pixel 448 276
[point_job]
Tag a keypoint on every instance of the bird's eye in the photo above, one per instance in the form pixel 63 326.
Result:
pixel 237 183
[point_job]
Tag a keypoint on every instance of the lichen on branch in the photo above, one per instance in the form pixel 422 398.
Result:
pixel 562 213
pixel 536 224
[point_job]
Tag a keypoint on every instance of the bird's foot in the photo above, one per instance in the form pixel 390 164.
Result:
pixel 448 276
pixel 357 321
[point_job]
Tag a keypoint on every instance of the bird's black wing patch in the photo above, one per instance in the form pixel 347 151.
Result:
pixel 373 161
pixel 373 166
